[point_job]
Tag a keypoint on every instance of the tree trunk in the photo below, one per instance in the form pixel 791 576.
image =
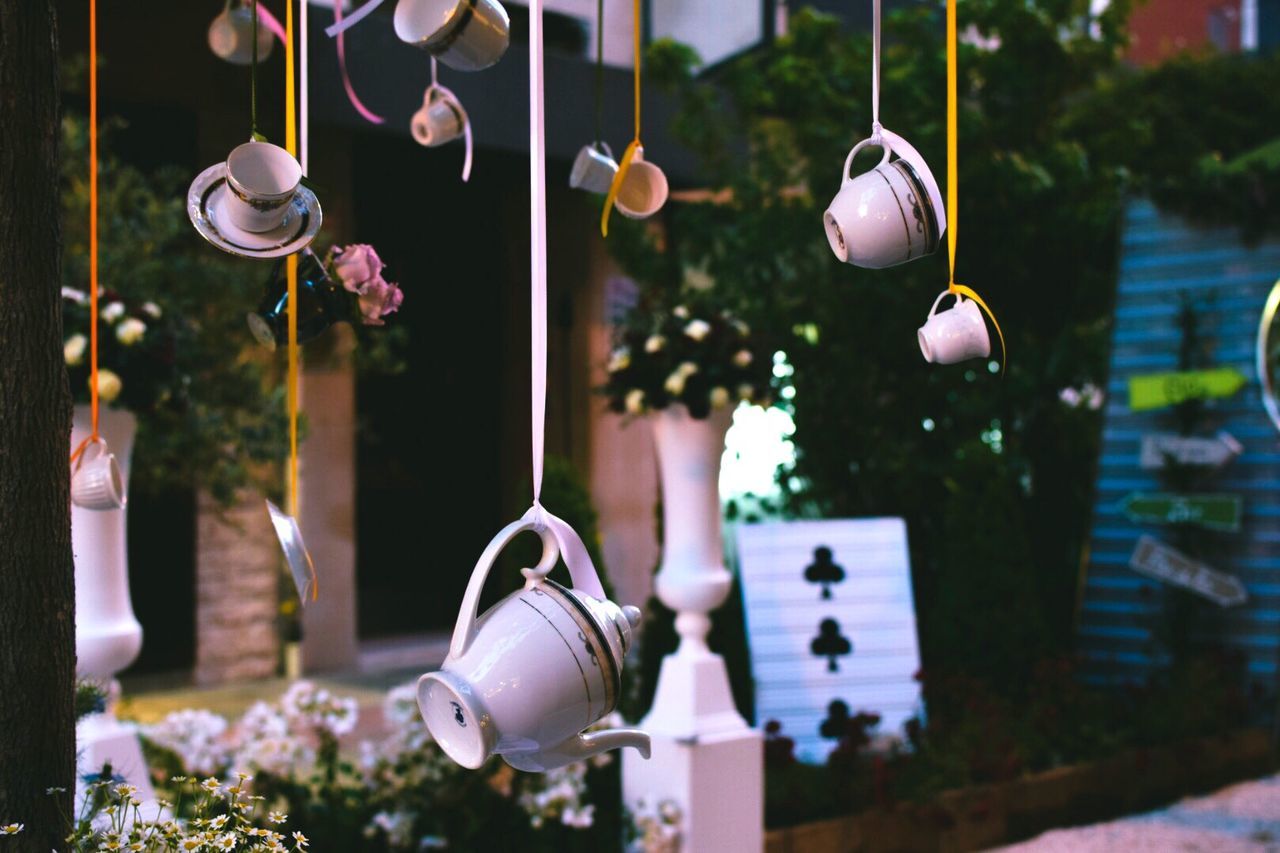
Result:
pixel 37 587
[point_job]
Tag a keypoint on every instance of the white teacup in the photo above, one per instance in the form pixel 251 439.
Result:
pixel 231 36
pixel 466 35
pixel 262 179
pixel 883 217
pixel 593 168
pixel 644 189
pixel 954 335
pixel 96 482
pixel 441 119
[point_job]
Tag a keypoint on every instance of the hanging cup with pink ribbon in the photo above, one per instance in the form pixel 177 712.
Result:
pixel 442 119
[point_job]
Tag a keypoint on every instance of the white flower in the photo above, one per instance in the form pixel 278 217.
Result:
pixel 151 309
pixel 210 784
pixel 1070 396
pixel 11 828
pixel 226 841
pixel 77 296
pixel 620 359
pixel 114 311
pixel 1093 395
pixel 195 736
pixel 675 382
pixel 635 401
pixel 300 839
pixel 697 329
pixel 73 349
pixel 277 817
pixel 655 343
pixel 719 397
pixel 130 331
pixel 680 312
pixel 742 357
pixel 109 385
pixel 190 842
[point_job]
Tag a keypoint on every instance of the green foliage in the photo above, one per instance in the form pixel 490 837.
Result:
pixel 220 419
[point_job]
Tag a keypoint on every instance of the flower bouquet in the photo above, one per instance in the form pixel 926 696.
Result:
pixel 137 368
pixel 704 359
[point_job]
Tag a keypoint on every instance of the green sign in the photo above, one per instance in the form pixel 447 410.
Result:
pixel 1215 512
pixel 1157 390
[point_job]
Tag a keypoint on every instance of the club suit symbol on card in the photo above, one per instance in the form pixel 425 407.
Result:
pixel 822 570
pixel 836 725
pixel 830 644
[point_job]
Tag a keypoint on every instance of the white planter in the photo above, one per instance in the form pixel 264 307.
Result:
pixel 108 636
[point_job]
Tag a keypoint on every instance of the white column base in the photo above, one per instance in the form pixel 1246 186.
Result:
pixel 102 739
pixel 705 758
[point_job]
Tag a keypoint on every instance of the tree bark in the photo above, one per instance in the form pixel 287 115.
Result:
pixel 37 581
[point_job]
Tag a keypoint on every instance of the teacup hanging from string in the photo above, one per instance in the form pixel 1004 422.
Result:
pixel 893 213
pixel 526 679
pixel 466 35
pixel 594 167
pixel 639 189
pixel 959 333
pixel 442 119
pixel 322 302
pixel 96 480
pixel 232 33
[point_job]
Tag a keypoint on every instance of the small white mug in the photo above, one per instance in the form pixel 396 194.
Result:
pixel 644 189
pixel 262 179
pixel 439 120
pixel 883 217
pixel 97 482
pixel 466 35
pixel 231 35
pixel 954 335
pixel 593 168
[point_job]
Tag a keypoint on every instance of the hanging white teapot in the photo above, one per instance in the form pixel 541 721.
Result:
pixel 528 677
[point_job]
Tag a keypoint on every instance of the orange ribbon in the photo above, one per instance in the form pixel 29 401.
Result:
pixel 953 180
pixel 630 153
pixel 93 229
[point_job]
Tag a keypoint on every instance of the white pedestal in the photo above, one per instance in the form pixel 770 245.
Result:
pixel 102 739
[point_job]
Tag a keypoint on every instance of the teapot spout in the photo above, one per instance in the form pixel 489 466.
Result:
pixel 579 748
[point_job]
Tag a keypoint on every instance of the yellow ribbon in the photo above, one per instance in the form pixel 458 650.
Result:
pixel 630 153
pixel 291 266
pixel 953 179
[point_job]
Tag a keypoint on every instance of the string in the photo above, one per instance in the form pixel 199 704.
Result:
pixel 365 113
pixel 599 71
pixel 538 245
pixel 953 179
pixel 635 146
pixel 253 75
pixel 304 100
pixel 93 219
pixel 875 72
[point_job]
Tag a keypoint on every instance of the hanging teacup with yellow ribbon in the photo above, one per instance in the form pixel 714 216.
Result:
pixel 957 334
pixel 639 189
pixel 893 213
pixel 594 168
pixel 441 119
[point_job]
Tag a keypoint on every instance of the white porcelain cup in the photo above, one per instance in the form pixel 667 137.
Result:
pixel 593 168
pixel 528 677
pixel 883 217
pixel 440 119
pixel 644 189
pixel 466 35
pixel 96 482
pixel 262 179
pixel 231 36
pixel 956 334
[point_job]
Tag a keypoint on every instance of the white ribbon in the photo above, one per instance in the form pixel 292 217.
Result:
pixel 437 90
pixel 304 110
pixel 875 72
pixel 356 17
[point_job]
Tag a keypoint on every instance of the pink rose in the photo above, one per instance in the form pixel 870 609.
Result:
pixel 357 265
pixel 378 299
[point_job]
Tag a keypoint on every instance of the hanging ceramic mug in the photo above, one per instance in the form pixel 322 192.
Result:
pixel 441 119
pixel 262 179
pixel 527 678
pixel 886 216
pixel 644 189
pixel 321 303
pixel 96 482
pixel 466 35
pixel 593 168
pixel 956 334
pixel 231 35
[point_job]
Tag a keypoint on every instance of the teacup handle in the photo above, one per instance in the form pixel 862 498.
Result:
pixel 601 145
pixel 871 140
pixel 941 296
pixel 83 456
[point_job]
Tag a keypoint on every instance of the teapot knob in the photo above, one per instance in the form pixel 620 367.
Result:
pixel 633 615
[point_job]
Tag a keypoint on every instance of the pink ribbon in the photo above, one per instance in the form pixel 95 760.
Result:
pixel 365 113
pixel 272 23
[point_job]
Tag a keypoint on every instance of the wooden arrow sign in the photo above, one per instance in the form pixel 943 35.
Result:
pixel 1157 390
pixel 1158 560
pixel 1211 511
pixel 1159 448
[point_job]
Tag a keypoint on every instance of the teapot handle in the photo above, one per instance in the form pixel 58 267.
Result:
pixel 465 629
